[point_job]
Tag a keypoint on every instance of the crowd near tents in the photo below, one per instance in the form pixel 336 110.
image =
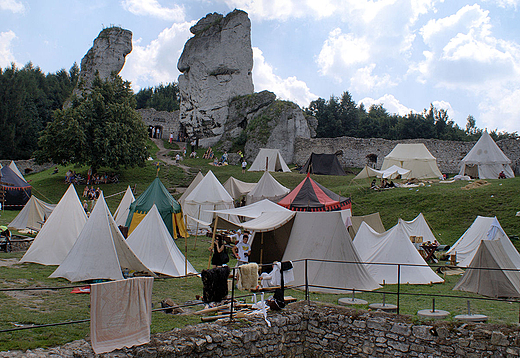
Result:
pixel 309 222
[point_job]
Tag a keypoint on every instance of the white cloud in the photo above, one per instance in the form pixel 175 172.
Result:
pixel 364 80
pixel 464 54
pixel 6 56
pixel 12 5
pixel 500 110
pixel 154 63
pixel 340 53
pixel 389 102
pixel 505 3
pixel 289 89
pixel 154 9
pixel 447 107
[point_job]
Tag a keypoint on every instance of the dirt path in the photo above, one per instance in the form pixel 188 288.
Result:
pixel 163 156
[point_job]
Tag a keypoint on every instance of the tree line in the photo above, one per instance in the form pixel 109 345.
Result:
pixel 33 121
pixel 341 116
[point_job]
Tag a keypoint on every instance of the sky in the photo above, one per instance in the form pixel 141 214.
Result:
pixel 461 56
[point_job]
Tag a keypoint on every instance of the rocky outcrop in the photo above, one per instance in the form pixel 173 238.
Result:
pixel 216 66
pixel 260 121
pixel 107 55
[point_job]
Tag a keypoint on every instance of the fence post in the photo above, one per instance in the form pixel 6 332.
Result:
pixel 232 294
pixel 398 285
pixel 306 283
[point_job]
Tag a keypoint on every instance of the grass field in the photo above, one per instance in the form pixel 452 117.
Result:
pixel 448 209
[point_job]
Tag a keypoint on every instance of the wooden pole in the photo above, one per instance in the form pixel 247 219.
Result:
pixel 186 249
pixel 197 230
pixel 213 242
pixel 262 249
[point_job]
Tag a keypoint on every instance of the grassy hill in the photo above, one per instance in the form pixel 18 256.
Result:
pixel 447 207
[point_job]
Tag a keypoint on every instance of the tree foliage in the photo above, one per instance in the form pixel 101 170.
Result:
pixel 100 129
pixel 27 99
pixel 341 116
pixel 161 98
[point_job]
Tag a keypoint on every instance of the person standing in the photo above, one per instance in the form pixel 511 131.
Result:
pixel 242 250
pixel 244 165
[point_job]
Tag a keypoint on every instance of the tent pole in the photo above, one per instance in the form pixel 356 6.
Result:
pixel 213 241
pixel 197 230
pixel 262 249
pixel 186 250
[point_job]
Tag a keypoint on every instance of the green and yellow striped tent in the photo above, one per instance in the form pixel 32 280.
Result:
pixel 169 209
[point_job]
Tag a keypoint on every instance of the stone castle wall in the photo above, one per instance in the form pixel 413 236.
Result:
pixel 355 151
pixel 316 330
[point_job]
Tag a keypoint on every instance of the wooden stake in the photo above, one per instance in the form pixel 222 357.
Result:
pixel 213 241
pixel 186 249
pixel 197 230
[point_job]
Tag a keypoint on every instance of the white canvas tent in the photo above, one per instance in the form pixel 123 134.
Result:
pixel 254 210
pixel 123 208
pixel 208 195
pixel 60 231
pixel 391 173
pixel 266 188
pixel 269 160
pixel 100 252
pixel 418 227
pixel 237 188
pixel 415 157
pixel 323 236
pixel 15 169
pixel 483 228
pixel 198 178
pixel 152 243
pixel 392 247
pixel 33 215
pixel 485 160
pixel 501 280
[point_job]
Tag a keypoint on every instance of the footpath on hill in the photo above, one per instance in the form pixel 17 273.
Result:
pixel 163 156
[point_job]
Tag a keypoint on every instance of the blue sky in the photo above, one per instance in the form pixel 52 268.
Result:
pixel 463 56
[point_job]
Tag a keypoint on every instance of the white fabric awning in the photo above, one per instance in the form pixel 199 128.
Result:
pixel 268 221
pixel 254 210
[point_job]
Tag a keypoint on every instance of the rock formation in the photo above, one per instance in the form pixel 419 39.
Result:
pixel 216 66
pixel 107 55
pixel 261 121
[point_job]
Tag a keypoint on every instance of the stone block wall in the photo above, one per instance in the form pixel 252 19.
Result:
pixel 355 151
pixel 169 122
pixel 317 330
pixel 28 166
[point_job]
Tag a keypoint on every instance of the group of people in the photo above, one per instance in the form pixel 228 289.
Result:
pixel 71 177
pixel 91 193
pixel 241 250
pixel 208 154
pixel 384 184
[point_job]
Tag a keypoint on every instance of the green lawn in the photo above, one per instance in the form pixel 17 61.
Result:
pixel 448 209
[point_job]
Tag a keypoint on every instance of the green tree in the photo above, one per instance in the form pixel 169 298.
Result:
pixel 161 98
pixel 100 129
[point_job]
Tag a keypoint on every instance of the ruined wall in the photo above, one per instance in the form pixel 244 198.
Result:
pixel 317 330
pixel 355 150
pixel 168 121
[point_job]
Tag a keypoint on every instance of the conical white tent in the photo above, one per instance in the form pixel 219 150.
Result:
pixel 15 169
pixel 501 280
pixel 418 227
pixel 237 188
pixel 60 231
pixel 100 252
pixel 323 236
pixel 33 215
pixel 485 160
pixel 208 195
pixel 123 208
pixel 415 157
pixel 483 228
pixel 198 178
pixel 152 243
pixel 392 247
pixel 269 160
pixel 266 188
